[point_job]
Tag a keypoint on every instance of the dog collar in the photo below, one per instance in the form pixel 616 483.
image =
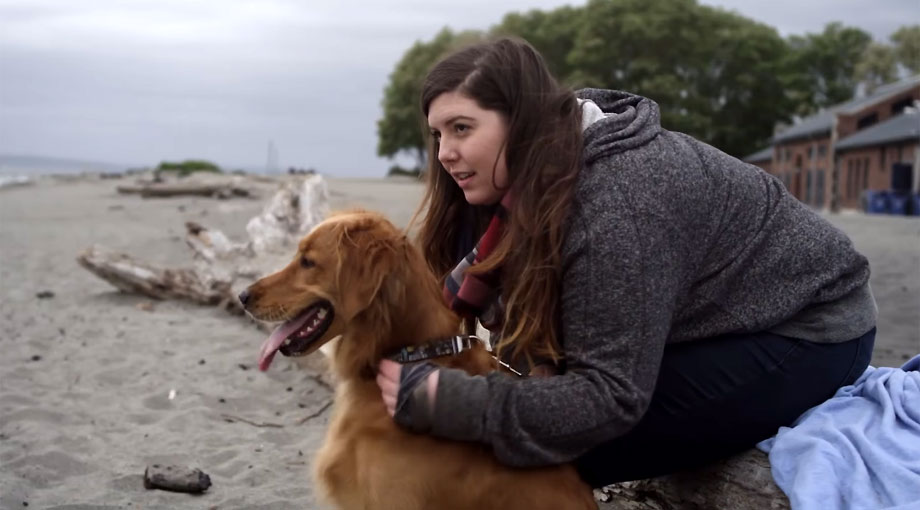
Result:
pixel 449 346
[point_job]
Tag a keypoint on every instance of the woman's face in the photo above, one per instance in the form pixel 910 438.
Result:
pixel 472 146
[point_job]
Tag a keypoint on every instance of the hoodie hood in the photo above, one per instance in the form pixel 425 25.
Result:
pixel 629 121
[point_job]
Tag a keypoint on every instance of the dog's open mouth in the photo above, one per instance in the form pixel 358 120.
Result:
pixel 294 337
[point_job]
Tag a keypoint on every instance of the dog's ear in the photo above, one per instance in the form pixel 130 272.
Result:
pixel 364 268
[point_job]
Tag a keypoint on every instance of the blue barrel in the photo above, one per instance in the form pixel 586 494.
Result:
pixel 915 204
pixel 898 203
pixel 876 201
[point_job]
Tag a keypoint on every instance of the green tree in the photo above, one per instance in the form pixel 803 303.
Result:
pixel 826 63
pixel 552 33
pixel 402 128
pixel 876 67
pixel 907 47
pixel 716 75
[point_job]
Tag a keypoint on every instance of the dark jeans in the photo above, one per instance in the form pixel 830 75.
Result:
pixel 718 397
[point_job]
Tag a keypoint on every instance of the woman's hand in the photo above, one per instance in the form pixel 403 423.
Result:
pixel 396 386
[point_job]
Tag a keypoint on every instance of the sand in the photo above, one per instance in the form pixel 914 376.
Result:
pixel 96 384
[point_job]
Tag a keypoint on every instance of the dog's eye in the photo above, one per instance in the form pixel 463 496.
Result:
pixel 306 263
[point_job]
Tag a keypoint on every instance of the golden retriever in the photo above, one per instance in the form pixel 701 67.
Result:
pixel 357 276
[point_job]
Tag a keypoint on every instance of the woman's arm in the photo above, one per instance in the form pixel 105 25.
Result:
pixel 621 277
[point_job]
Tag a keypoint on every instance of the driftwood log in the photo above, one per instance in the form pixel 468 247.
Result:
pixel 201 184
pixel 212 245
pixel 176 479
pixel 175 190
pixel 289 215
pixel 221 266
pixel 739 483
pixel 137 277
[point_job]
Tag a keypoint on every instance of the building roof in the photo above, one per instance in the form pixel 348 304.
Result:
pixel 880 94
pixel 821 122
pixel 896 129
pixel 765 154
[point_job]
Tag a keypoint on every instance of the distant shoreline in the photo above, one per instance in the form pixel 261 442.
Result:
pixel 13 164
pixel 17 166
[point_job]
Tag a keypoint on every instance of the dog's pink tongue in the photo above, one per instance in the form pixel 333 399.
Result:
pixel 271 344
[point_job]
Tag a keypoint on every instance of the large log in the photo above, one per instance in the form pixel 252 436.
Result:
pixel 135 276
pixel 221 264
pixel 198 184
pixel 741 482
pixel 213 245
pixel 289 215
pixel 191 189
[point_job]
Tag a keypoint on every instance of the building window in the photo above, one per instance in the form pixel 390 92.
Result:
pixel 820 198
pixel 808 188
pixel 822 150
pixel 850 173
pixel 857 178
pixel 867 121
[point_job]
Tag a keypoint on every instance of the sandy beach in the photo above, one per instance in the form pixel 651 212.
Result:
pixel 96 384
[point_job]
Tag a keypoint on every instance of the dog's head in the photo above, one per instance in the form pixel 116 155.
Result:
pixel 346 276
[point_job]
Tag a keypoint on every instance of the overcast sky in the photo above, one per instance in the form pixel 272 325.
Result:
pixel 140 81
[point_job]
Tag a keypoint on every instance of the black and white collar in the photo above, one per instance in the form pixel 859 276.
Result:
pixel 448 346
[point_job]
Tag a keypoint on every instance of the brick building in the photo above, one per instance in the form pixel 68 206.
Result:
pixel 829 159
pixel 865 159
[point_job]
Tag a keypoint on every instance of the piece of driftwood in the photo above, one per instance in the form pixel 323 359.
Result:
pixel 741 482
pixel 214 245
pixel 138 277
pixel 297 206
pixel 176 479
pixel 166 190
pixel 198 184
pixel 221 266
pixel 289 215
pixel 218 261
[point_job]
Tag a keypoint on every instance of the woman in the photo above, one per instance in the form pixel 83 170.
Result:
pixel 686 304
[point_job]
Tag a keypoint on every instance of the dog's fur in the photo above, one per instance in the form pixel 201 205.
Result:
pixel 384 297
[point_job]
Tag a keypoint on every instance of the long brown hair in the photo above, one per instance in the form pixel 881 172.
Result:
pixel 543 152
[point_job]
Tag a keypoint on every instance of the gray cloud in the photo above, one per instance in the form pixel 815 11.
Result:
pixel 142 81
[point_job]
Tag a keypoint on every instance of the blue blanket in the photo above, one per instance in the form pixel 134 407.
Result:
pixel 860 449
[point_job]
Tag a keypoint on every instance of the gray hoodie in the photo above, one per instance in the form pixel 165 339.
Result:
pixel 669 240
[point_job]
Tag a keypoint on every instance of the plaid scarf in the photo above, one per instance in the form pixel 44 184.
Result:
pixel 478 295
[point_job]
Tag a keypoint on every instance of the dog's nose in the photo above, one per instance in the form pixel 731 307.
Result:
pixel 244 297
